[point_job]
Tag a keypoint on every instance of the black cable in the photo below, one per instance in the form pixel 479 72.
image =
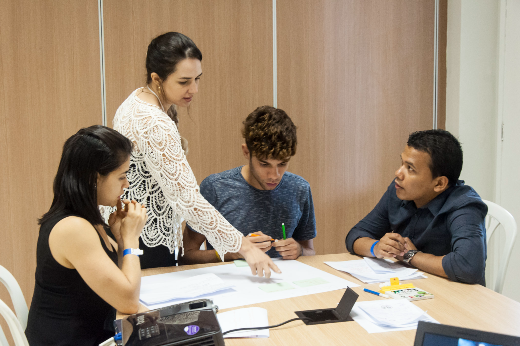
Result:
pixel 267 327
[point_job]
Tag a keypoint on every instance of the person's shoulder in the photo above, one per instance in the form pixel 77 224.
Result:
pixel 130 101
pixel 74 227
pixel 464 196
pixel 135 109
pixel 295 179
pixel 214 178
pixel 220 182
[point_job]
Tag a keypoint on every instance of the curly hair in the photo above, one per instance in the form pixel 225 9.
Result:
pixel 270 134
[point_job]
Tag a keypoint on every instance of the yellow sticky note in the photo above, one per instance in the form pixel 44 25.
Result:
pixel 394 281
pixel 396 287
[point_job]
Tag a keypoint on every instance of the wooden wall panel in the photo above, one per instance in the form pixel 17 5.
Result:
pixel 357 78
pixel 235 37
pixel 443 40
pixel 50 88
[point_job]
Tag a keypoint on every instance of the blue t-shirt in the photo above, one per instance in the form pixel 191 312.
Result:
pixel 250 210
pixel 450 225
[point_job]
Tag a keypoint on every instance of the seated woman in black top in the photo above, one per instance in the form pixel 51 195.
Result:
pixel 82 274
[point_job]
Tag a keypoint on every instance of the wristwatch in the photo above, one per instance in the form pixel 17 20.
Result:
pixel 409 255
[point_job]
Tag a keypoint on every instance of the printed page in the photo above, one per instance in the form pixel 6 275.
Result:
pixel 371 326
pixel 382 266
pixel 192 287
pixel 244 318
pixel 297 279
pixel 392 313
pixel 362 271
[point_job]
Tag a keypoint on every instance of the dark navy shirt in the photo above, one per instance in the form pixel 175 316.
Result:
pixel 250 210
pixel 450 225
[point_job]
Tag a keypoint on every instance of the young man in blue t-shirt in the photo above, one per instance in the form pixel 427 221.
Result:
pixel 261 196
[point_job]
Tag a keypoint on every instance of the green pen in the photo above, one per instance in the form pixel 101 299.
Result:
pixel 283 230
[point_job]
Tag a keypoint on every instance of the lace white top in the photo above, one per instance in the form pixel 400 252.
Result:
pixel 161 177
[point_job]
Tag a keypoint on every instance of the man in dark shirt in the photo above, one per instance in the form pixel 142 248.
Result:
pixel 427 217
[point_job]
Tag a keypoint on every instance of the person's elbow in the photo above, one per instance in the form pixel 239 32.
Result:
pixel 187 257
pixel 472 275
pixel 469 271
pixel 129 303
pixel 309 252
pixel 130 309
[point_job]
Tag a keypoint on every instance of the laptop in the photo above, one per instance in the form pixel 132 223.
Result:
pixel 433 334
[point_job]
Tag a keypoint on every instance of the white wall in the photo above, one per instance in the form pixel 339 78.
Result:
pixel 476 104
pixel 508 172
pixel 471 88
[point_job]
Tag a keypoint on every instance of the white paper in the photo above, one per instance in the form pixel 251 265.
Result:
pixel 381 266
pixel 244 318
pixel 393 313
pixel 400 319
pixel 246 289
pixel 192 287
pixel 362 271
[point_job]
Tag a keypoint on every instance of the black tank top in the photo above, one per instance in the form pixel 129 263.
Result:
pixel 64 309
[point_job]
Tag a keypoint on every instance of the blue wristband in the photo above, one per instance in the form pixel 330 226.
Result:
pixel 371 249
pixel 136 252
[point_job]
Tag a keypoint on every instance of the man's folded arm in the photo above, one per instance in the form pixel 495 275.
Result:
pixel 467 261
pixel 373 226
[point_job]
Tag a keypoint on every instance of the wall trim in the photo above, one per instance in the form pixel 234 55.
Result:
pixel 275 60
pixel 435 63
pixel 102 64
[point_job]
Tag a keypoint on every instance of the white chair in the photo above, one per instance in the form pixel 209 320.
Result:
pixel 20 306
pixel 14 325
pixel 497 216
pixel 3 339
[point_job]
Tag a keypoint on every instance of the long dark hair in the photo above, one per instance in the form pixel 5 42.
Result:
pixel 164 53
pixel 92 150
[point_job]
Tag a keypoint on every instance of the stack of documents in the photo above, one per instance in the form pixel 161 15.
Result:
pixel 373 270
pixel 388 315
pixel 297 279
pixel 244 318
pixel 192 287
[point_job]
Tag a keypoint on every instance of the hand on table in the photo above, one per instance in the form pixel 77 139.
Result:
pixel 391 245
pixel 289 248
pixel 258 261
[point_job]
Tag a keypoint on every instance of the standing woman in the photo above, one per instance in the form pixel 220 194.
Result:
pixel 81 273
pixel 160 175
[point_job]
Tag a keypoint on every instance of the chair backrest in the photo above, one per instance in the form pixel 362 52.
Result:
pixel 20 306
pixel 14 325
pixel 499 216
pixel 3 339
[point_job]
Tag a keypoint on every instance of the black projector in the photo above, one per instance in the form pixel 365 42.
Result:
pixel 186 324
